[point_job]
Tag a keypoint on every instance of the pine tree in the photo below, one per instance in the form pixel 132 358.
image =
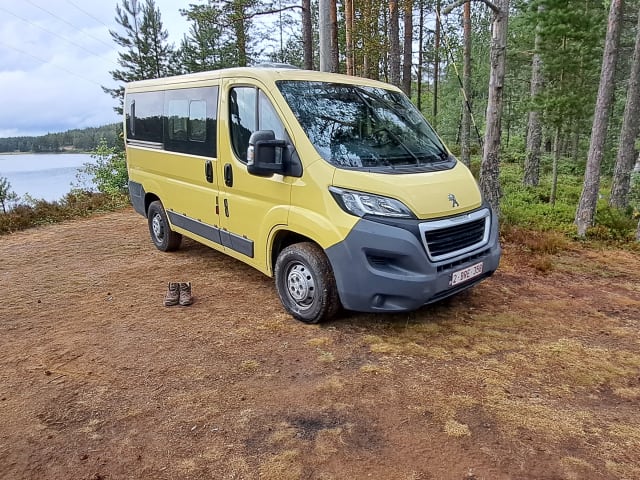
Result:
pixel 629 132
pixel 146 52
pixel 585 213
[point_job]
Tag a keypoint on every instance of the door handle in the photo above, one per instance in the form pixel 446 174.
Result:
pixel 208 171
pixel 228 175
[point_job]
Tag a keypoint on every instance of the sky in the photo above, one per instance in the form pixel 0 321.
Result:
pixel 54 57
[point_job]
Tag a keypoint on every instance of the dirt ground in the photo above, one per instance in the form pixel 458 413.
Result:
pixel 533 374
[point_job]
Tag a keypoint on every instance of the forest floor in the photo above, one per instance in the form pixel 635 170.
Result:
pixel 533 374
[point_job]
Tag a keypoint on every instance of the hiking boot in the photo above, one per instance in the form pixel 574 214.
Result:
pixel 173 294
pixel 185 294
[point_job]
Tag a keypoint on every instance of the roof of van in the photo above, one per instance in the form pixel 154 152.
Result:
pixel 266 74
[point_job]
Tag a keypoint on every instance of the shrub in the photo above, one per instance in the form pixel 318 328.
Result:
pixel 75 204
pixel 109 171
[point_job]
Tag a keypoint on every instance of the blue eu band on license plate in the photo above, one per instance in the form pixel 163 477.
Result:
pixel 466 274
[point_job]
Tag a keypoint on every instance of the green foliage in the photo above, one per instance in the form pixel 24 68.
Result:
pixel 529 208
pixel 109 171
pixel 6 194
pixel 146 52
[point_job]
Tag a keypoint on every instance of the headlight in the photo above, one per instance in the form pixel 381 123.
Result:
pixel 361 204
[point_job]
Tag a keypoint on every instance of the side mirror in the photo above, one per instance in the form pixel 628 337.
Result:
pixel 264 155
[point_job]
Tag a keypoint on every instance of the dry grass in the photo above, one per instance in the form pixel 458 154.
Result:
pixel 456 429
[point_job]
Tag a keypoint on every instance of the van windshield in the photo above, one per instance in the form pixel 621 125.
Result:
pixel 365 128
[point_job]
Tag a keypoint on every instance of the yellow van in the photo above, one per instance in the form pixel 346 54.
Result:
pixel 335 185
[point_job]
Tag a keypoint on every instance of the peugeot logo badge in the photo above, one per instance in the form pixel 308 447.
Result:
pixel 454 202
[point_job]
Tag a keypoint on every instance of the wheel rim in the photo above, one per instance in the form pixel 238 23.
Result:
pixel 157 226
pixel 300 284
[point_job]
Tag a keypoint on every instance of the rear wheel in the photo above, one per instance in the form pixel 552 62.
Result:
pixel 162 236
pixel 305 283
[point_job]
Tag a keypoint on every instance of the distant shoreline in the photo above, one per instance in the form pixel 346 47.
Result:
pixel 48 153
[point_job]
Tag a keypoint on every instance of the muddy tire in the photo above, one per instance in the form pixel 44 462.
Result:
pixel 305 283
pixel 162 236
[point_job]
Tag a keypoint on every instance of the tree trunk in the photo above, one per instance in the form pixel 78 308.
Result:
pixel 465 134
pixel 420 48
pixel 436 65
pixel 490 168
pixel 307 35
pixel 348 31
pixel 628 134
pixel 534 129
pixel 586 211
pixel 394 43
pixel 556 159
pixel 407 51
pixel 324 30
pixel 333 23
pixel 240 31
pixel 637 171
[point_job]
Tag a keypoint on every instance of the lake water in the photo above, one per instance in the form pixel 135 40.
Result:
pixel 44 176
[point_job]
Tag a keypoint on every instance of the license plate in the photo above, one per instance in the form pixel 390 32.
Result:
pixel 466 274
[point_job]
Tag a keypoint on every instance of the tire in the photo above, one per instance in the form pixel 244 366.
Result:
pixel 305 283
pixel 162 236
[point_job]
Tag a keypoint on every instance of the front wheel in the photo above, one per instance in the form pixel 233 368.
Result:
pixel 305 283
pixel 162 236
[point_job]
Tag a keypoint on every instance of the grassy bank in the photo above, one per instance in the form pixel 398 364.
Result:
pixel 75 204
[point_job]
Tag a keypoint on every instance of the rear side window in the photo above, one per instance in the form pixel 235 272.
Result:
pixel 183 120
pixel 190 120
pixel 144 116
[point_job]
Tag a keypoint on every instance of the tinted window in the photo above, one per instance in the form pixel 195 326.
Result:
pixel 190 120
pixel 251 110
pixel 144 116
pixel 359 127
pixel 197 120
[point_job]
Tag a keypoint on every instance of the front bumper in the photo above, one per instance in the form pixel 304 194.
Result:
pixel 382 267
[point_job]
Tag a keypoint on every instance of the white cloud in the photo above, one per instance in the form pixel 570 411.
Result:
pixel 54 63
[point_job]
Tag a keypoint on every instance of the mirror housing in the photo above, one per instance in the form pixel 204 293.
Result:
pixel 262 153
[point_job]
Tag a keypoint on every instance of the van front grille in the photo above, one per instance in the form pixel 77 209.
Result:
pixel 448 238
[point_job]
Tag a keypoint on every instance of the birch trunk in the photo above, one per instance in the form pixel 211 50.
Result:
pixel 586 211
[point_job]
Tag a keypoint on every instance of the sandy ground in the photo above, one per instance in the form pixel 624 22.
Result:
pixel 534 374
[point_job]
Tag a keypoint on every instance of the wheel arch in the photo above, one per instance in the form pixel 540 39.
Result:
pixel 281 240
pixel 149 198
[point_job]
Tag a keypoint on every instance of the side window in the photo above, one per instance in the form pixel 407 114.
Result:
pixel 269 119
pixel 177 113
pixel 144 119
pixel 198 121
pixel 191 120
pixel 242 112
pixel 251 110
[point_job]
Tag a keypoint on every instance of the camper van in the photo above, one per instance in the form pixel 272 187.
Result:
pixel 334 185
